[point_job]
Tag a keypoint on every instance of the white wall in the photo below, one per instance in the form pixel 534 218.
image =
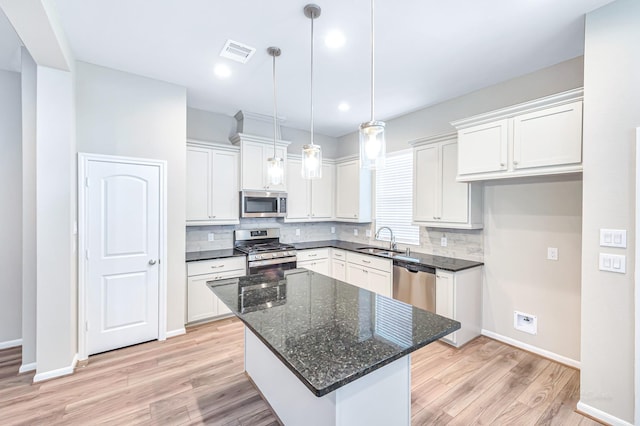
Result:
pixel 523 217
pixel 435 120
pixel 29 251
pixel 56 288
pixel 611 114
pixel 123 114
pixel 11 211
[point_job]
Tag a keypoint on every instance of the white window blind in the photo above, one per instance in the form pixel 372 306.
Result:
pixel 394 197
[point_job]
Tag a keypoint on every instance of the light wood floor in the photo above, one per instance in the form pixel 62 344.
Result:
pixel 198 379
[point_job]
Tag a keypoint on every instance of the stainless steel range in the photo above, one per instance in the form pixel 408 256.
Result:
pixel 265 252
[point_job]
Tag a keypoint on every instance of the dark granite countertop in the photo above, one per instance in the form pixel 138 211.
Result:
pixel 440 262
pixel 327 332
pixel 212 254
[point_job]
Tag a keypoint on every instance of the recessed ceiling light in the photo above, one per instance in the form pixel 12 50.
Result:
pixel 222 71
pixel 344 106
pixel 334 39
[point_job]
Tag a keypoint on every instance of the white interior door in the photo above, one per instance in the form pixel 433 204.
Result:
pixel 123 250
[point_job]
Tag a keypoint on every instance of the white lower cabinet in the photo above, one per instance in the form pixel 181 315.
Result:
pixel 459 297
pixel 202 304
pixel 370 272
pixel 338 264
pixel 316 260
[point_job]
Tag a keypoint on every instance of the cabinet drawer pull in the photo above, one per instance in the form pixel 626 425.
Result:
pixel 313 255
pixel 366 261
pixel 217 266
pixel 515 163
pixel 501 164
pixel 337 254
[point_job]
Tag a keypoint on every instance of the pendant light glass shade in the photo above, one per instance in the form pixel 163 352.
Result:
pixel 311 162
pixel 372 145
pixel 275 165
pixel 311 153
pixel 275 170
pixel 372 140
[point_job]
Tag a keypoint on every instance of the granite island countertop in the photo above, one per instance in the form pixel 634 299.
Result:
pixel 327 332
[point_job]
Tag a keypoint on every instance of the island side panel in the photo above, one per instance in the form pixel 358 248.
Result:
pixel 292 401
pixel 382 397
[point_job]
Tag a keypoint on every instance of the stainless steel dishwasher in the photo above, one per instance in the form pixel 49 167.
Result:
pixel 415 284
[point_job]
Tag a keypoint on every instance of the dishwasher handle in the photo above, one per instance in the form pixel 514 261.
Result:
pixel 414 267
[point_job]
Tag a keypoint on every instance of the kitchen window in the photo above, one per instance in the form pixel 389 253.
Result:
pixel 394 197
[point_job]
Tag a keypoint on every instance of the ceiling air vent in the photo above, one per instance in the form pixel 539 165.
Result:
pixel 237 51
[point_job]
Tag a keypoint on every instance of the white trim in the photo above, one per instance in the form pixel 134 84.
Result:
pixel 83 159
pixel 24 368
pixel 174 333
pixel 10 344
pixel 434 139
pixel 554 100
pixel 600 415
pixel 65 371
pixel 223 146
pixel 534 349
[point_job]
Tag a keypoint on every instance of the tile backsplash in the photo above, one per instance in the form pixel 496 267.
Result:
pixel 463 244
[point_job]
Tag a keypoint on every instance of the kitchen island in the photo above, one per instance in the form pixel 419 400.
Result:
pixel 325 352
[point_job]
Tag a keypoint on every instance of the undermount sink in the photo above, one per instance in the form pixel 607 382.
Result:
pixel 378 250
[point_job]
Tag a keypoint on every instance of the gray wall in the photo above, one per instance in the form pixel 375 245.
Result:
pixel 128 115
pixel 611 115
pixel 11 211
pixel 523 217
pixel 214 127
pixel 435 120
pixel 29 249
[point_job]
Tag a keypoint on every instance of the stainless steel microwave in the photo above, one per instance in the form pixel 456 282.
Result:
pixel 263 204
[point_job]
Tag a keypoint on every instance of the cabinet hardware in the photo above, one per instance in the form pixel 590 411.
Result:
pixel 501 164
pixel 152 262
pixel 217 266
pixel 366 261
pixel 313 255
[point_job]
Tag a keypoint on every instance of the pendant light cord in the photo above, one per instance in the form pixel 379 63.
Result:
pixel 372 60
pixel 275 108
pixel 312 19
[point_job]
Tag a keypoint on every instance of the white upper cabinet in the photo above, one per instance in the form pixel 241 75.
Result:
pixel 212 184
pixel 438 199
pixel 534 138
pixel 310 200
pixel 254 152
pixel 353 192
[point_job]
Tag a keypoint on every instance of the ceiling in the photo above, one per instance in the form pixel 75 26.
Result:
pixel 427 51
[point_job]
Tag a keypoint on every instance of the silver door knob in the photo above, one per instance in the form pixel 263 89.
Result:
pixel 152 262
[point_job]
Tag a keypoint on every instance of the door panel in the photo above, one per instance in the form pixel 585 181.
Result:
pixel 123 248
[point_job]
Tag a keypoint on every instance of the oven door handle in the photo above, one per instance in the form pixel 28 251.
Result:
pixel 277 261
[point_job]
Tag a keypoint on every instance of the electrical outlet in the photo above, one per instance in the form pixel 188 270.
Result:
pixel 525 322
pixel 367 233
pixel 443 241
pixel 210 236
pixel 355 232
pixel 333 229
pixel 297 232
pixel 552 253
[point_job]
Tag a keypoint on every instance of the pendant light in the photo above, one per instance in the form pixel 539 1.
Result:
pixel 372 140
pixel 312 153
pixel 275 165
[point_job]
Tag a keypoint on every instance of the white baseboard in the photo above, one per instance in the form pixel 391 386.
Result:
pixel 536 350
pixel 10 344
pixel 57 373
pixel 601 415
pixel 178 332
pixel 27 367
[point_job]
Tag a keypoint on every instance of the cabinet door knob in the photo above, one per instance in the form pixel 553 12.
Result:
pixel 152 262
pixel 515 163
pixel 501 164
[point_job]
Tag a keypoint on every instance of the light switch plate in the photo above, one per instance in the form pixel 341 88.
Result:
pixel 297 232
pixel 355 232
pixel 443 241
pixel 210 236
pixel 613 238
pixel 552 253
pixel 333 229
pixel 613 263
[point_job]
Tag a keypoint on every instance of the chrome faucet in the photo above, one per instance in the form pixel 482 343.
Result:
pixel 392 240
